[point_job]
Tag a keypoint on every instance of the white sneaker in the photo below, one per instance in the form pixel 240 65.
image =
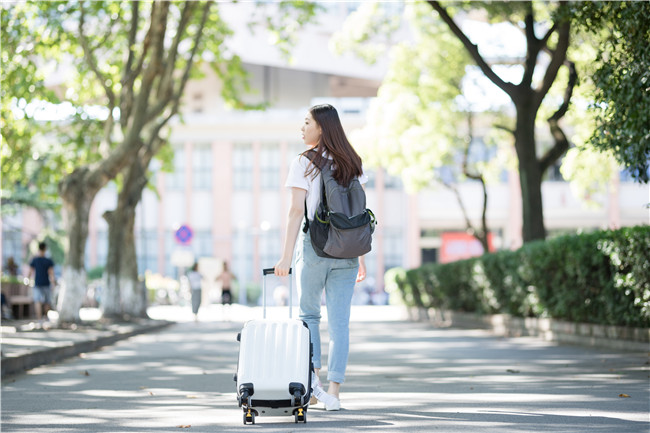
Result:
pixel 333 403
pixel 330 401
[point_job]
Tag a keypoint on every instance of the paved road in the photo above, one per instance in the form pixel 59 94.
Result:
pixel 402 377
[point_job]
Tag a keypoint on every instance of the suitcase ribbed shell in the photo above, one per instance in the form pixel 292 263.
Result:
pixel 273 354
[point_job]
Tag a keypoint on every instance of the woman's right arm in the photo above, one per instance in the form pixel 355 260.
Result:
pixel 296 213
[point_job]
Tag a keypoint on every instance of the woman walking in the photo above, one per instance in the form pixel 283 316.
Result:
pixel 194 278
pixel 322 132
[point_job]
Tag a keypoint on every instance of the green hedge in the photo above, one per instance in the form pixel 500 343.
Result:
pixel 601 277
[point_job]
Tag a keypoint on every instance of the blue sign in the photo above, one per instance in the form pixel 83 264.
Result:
pixel 184 235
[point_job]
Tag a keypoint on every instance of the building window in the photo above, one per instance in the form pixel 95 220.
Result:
pixel 202 167
pixel 392 182
pixel 270 166
pixel 197 102
pixel 171 245
pixel 270 246
pixel 202 244
pixel 393 247
pixel 242 167
pixel 242 260
pixel 146 242
pixel 11 247
pixel 176 179
pixel 294 150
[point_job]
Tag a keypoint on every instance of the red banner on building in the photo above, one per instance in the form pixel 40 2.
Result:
pixel 460 245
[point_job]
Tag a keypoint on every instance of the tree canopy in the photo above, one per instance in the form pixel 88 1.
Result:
pixel 532 76
pixel 117 72
pixel 605 44
pixel 620 73
pixel 412 125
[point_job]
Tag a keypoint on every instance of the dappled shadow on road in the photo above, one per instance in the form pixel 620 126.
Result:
pixel 468 380
pixel 401 377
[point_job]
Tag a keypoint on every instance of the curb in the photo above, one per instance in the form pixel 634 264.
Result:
pixel 582 334
pixel 16 364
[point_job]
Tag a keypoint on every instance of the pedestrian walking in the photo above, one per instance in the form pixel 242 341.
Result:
pixel 194 279
pixel 226 278
pixel 42 269
pixel 323 134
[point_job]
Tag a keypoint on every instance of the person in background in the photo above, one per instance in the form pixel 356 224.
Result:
pixel 194 279
pixel 226 278
pixel 41 268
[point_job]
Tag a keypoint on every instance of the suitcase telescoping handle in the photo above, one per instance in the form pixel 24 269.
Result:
pixel 266 272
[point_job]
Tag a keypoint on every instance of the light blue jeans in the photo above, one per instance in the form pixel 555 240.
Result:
pixel 337 277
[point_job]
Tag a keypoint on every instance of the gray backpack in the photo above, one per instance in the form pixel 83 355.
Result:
pixel 342 227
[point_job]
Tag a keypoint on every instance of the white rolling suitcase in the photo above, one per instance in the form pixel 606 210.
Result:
pixel 274 368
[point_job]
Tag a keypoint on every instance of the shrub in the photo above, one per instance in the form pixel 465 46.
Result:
pixel 601 277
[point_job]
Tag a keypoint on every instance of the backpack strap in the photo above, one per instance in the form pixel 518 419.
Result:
pixel 305 227
pixel 311 155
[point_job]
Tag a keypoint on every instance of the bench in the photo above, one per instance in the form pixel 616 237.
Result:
pixel 20 299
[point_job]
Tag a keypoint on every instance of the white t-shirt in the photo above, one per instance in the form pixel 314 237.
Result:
pixel 298 178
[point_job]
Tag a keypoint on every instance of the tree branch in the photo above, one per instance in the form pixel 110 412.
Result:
pixel 109 168
pixel 104 145
pixel 128 75
pixel 472 49
pixel 557 59
pixel 109 34
pixel 90 58
pixel 561 142
pixel 544 40
pixel 459 199
pixel 505 128
pixel 158 28
pixel 129 79
pixel 482 235
pixel 166 83
pixel 176 95
pixel 188 67
pixel 568 92
pixel 533 46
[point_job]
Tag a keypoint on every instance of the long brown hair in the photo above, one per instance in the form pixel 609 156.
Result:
pixel 333 141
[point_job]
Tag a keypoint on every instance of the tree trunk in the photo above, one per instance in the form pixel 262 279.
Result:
pixel 530 173
pixel 77 195
pixel 111 305
pixel 134 300
pixel 125 295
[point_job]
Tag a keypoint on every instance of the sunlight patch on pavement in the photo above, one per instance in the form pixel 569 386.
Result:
pixel 242 313
pixel 76 417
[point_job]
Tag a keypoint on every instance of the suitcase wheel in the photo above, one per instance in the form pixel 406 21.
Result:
pixel 249 416
pixel 300 415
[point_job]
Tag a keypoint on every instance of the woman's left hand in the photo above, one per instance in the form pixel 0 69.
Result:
pixel 282 267
pixel 361 275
